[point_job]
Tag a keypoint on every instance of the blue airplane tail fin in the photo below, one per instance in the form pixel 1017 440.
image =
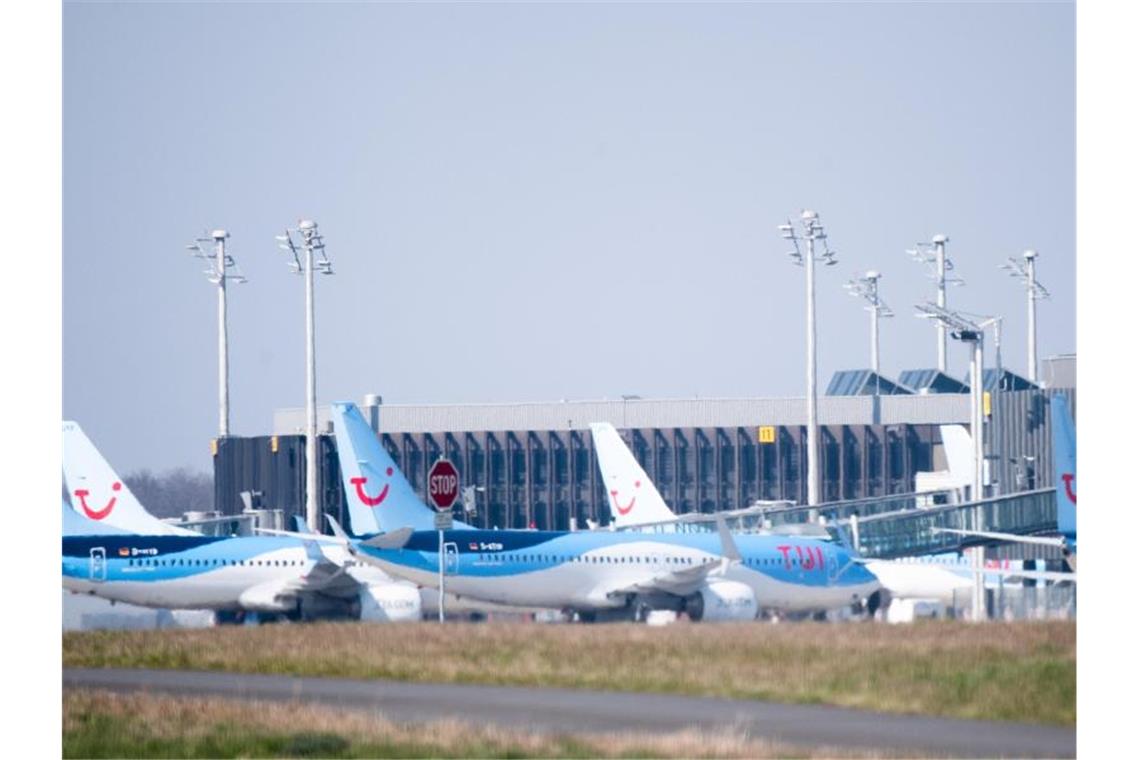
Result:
pixel 1065 466
pixel 380 499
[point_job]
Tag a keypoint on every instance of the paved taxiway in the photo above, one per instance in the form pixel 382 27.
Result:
pixel 573 711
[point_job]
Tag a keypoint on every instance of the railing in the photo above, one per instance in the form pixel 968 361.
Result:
pixel 1015 601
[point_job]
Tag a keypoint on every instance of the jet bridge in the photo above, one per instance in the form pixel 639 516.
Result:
pixel 911 532
pixel 888 527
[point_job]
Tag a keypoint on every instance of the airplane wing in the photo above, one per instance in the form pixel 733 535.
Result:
pixel 687 580
pixel 326 576
pixel 680 582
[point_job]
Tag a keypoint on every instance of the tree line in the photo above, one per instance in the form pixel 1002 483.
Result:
pixel 173 492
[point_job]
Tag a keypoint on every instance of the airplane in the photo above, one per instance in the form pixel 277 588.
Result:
pixel 596 575
pixel 635 503
pixel 1065 479
pixel 113 548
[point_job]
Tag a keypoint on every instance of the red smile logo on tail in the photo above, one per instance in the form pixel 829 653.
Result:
pixel 372 501
pixel 97 514
pixel 1070 487
pixel 633 499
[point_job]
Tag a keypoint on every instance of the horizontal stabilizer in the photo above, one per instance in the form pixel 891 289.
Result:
pixel 393 539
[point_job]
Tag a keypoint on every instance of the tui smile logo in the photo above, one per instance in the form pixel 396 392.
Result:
pixel 632 500
pixel 97 514
pixel 1070 486
pixel 372 501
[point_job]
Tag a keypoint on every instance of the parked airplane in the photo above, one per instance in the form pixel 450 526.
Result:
pixel 116 550
pixel 635 501
pixel 710 576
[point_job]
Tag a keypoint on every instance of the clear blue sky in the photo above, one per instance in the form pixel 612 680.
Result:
pixel 531 202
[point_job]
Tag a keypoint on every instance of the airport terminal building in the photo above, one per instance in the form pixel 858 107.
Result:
pixel 535 464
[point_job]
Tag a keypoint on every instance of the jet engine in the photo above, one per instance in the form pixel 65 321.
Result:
pixel 390 602
pixel 722 600
pixel 267 597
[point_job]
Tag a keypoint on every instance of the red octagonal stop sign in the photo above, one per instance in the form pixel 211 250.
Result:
pixel 443 484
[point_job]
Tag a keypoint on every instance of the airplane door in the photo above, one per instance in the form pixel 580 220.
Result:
pixel 450 558
pixel 97 564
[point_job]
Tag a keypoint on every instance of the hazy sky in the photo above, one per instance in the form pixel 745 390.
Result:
pixel 536 202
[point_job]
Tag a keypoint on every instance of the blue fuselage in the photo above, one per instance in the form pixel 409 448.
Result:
pixel 183 571
pixel 599 568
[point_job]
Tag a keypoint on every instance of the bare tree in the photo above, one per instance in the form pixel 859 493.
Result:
pixel 173 492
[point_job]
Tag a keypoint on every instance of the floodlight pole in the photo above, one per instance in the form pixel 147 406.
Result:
pixel 977 554
pixel 813 231
pixel 971 332
pixel 812 412
pixel 977 394
pixel 1031 292
pixel 867 286
pixel 940 264
pixel 220 265
pixel 875 337
pixel 1034 291
pixel 997 345
pixel 219 237
pixel 312 507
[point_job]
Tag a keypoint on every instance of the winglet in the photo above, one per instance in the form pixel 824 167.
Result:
pixel 727 543
pixel 299 525
pixel 313 551
pixel 843 538
pixel 339 532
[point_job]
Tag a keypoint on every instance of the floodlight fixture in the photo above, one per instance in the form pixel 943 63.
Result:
pixel 221 266
pixel 993 323
pixel 1025 273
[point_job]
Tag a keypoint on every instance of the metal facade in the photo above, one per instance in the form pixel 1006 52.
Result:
pixel 537 463
pixel 647 413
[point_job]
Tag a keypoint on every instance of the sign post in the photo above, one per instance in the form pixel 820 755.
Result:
pixel 443 490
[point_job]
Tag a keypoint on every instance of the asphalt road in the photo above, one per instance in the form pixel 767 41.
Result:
pixel 574 711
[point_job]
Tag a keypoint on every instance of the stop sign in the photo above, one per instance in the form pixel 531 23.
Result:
pixel 443 484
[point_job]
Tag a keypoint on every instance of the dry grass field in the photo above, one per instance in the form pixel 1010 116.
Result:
pixel 999 671
pixel 104 724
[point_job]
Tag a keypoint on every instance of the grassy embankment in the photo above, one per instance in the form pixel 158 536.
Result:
pixel 999 671
pixel 102 724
